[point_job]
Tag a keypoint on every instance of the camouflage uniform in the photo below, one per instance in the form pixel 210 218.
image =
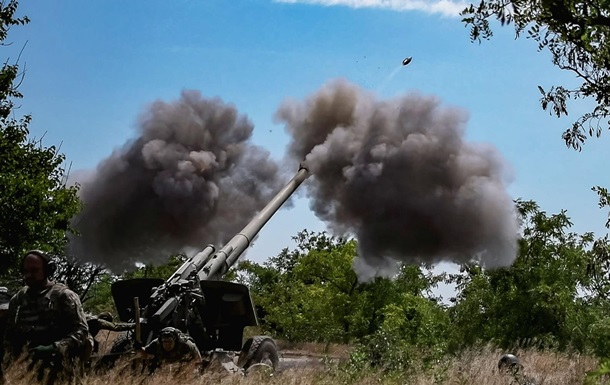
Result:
pixel 97 323
pixel 53 316
pixel 184 351
pixel 4 300
pixel 522 379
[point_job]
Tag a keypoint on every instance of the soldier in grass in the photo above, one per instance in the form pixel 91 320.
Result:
pixel 172 347
pixel 46 324
pixel 510 365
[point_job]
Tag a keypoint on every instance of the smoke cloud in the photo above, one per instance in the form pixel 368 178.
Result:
pixel 399 176
pixel 190 178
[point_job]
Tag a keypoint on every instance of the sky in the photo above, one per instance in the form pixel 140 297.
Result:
pixel 91 67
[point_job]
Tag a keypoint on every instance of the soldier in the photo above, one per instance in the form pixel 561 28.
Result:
pixel 509 364
pixel 172 346
pixel 4 300
pixel 47 323
pixel 104 321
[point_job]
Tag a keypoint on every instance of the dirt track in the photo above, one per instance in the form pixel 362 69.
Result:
pixel 292 361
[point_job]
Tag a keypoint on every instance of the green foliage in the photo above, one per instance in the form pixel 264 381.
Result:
pixel 599 375
pixel 313 294
pixel 576 34
pixel 35 205
pixel 163 271
pixel 599 270
pixel 99 296
pixel 307 292
pixel 604 200
pixel 536 299
pixel 411 336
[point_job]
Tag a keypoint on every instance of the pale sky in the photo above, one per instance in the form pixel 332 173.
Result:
pixel 443 7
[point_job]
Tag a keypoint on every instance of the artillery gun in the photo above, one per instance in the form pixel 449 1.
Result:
pixel 198 302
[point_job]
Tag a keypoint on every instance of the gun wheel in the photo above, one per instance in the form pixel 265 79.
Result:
pixel 259 350
pixel 122 344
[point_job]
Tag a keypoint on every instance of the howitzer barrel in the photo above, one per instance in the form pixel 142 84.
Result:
pixel 195 263
pixel 230 253
pixel 192 265
pixel 210 264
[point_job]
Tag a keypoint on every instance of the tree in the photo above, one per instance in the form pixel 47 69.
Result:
pixel 36 206
pixel 163 271
pixel 413 332
pixel 305 292
pixel 535 299
pixel 78 276
pixel 576 34
pixel 99 295
pixel 313 294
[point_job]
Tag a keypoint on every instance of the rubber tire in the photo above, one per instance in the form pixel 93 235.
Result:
pixel 122 344
pixel 263 350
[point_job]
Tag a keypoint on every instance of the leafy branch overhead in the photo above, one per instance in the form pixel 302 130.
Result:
pixel 576 34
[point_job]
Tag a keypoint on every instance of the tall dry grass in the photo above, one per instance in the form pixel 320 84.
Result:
pixel 477 367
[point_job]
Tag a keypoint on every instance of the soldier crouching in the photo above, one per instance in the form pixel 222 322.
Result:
pixel 46 325
pixel 172 347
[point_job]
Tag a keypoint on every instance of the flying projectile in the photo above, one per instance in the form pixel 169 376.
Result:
pixel 407 61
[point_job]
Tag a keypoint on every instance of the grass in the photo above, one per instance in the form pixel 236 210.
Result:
pixel 476 367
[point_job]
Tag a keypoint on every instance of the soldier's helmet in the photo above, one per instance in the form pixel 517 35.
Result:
pixel 5 298
pixel 169 333
pixel 106 316
pixel 509 363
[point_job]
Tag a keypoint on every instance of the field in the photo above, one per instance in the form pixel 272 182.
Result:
pixel 327 365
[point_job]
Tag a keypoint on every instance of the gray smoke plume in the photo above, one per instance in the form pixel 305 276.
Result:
pixel 189 179
pixel 399 176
